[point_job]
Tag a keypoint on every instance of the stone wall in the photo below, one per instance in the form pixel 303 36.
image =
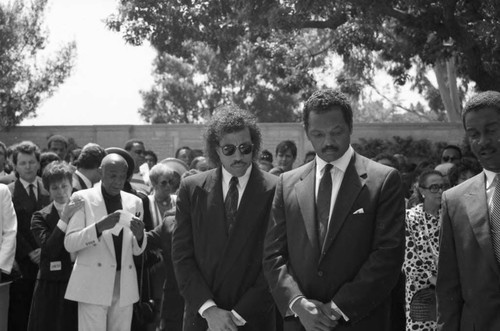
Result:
pixel 164 139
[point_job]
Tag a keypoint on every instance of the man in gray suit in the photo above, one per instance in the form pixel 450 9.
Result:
pixel 468 282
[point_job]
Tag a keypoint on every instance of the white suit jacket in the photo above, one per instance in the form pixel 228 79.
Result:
pixel 94 271
pixel 8 229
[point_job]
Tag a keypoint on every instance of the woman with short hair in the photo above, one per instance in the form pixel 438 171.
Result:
pixel 49 310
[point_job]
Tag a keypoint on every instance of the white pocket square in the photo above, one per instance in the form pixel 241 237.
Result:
pixel 359 211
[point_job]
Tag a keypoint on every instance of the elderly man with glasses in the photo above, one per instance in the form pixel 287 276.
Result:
pixel 221 217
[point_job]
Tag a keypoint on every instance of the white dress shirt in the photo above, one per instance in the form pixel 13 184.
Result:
pixel 26 186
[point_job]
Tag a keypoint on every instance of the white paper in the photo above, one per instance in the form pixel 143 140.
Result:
pixel 124 222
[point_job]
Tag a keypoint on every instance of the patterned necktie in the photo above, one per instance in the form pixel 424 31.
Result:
pixel 32 196
pixel 323 202
pixel 495 219
pixel 231 204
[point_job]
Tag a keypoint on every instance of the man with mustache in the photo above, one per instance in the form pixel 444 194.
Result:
pixel 222 216
pixel 335 243
pixel 468 291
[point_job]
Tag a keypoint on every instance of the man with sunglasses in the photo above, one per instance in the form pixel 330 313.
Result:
pixel 451 154
pixel 335 244
pixel 221 217
pixel 140 177
pixel 467 288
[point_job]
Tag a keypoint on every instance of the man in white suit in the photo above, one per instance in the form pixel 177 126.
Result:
pixel 105 235
pixel 8 229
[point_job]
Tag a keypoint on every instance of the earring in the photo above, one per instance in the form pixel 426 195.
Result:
pixel 423 196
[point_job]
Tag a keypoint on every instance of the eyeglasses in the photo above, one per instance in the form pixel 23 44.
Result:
pixel 434 188
pixel 449 158
pixel 229 149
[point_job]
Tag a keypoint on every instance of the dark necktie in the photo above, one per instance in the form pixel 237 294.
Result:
pixel 495 219
pixel 231 204
pixel 32 196
pixel 323 202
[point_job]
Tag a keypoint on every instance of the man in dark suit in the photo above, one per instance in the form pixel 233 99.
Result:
pixel 468 291
pixel 335 243
pixel 222 216
pixel 28 196
pixel 87 167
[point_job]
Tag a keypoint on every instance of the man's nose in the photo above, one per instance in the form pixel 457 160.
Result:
pixel 484 139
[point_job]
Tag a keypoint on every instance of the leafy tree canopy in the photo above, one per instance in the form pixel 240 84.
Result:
pixel 25 79
pixel 400 33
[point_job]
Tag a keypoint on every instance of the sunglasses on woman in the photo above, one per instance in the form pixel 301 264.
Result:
pixel 230 149
pixel 434 188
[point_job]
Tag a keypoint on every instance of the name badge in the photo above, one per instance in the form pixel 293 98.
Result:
pixel 55 266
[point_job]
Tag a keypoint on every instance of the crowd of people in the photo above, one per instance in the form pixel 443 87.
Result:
pixel 239 238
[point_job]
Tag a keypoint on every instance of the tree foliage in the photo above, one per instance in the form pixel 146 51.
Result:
pixel 265 77
pixel 25 78
pixel 397 34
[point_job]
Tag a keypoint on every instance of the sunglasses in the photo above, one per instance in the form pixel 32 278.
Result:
pixel 434 188
pixel 230 149
pixel 449 158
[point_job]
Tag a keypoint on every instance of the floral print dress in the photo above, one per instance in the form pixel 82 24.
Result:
pixel 422 249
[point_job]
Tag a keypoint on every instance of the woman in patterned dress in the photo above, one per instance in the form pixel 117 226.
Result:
pixel 422 243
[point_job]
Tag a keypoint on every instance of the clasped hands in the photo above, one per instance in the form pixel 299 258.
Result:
pixel 316 315
pixel 109 222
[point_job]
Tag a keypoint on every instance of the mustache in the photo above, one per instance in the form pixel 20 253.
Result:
pixel 329 148
pixel 237 162
pixel 486 148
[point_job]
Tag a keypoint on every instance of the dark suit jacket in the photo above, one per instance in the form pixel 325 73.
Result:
pixel 468 283
pixel 208 263
pixel 25 240
pixel 363 253
pixel 51 240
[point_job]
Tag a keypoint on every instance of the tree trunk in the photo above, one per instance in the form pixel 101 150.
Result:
pixel 447 85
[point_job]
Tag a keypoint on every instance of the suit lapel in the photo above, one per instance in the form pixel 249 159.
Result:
pixel 127 235
pixel 43 196
pixel 477 212
pixel 53 217
pixel 99 207
pixel 212 188
pixel 304 191
pixel 353 182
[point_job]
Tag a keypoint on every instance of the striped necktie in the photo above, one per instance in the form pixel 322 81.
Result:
pixel 495 219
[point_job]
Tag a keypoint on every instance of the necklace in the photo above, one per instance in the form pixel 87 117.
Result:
pixel 163 203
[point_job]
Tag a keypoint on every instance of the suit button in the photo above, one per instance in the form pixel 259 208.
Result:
pixel 130 266
pixel 320 273
pixel 99 264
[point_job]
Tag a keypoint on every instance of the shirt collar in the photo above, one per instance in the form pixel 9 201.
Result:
pixel 87 181
pixel 242 181
pixel 341 163
pixel 27 184
pixel 490 178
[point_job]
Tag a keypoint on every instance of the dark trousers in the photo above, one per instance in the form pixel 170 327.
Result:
pixel 21 294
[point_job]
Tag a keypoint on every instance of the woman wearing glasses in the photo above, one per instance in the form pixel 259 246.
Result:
pixel 422 249
pixel 159 207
